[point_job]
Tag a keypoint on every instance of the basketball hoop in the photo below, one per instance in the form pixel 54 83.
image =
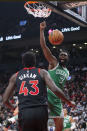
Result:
pixel 37 9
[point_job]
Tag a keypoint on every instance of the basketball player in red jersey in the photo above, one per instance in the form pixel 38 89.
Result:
pixel 30 84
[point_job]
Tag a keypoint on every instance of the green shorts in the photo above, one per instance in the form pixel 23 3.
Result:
pixel 55 107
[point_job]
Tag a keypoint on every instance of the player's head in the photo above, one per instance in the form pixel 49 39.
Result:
pixel 28 59
pixel 65 111
pixel 63 57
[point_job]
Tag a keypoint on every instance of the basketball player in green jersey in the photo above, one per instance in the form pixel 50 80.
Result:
pixel 59 73
pixel 69 123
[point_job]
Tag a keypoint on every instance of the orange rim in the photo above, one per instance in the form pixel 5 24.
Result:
pixel 30 2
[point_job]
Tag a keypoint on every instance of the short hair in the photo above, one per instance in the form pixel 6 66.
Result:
pixel 64 50
pixel 29 59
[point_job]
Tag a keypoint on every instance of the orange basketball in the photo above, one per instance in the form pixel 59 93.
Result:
pixel 56 37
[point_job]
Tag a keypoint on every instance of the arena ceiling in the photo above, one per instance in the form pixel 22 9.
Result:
pixel 11 13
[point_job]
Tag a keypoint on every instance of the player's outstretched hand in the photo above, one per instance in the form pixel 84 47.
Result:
pixel 42 25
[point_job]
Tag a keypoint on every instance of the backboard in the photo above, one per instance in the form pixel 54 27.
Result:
pixel 74 11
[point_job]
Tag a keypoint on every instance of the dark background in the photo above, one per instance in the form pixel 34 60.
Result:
pixel 12 13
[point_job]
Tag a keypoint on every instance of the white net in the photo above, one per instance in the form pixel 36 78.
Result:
pixel 37 10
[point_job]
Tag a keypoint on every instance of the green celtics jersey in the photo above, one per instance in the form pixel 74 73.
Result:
pixel 67 123
pixel 59 76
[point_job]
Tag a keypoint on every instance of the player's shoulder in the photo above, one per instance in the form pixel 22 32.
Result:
pixel 43 73
pixel 13 77
pixel 52 68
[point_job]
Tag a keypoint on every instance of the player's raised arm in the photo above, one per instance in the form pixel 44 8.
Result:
pixel 47 53
pixel 57 91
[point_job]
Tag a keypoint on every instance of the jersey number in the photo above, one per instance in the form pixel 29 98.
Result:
pixel 25 91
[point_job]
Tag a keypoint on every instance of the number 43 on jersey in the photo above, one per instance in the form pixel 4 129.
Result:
pixel 24 90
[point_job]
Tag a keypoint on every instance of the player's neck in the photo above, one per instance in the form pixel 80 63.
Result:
pixel 62 65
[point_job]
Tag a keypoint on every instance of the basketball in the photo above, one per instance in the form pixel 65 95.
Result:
pixel 56 37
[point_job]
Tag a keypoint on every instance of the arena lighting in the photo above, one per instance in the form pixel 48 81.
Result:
pixel 32 49
pixel 1 38
pixel 37 51
pixel 54 47
pixel 74 44
pixel 60 50
pixel 23 22
pixel 80 47
pixel 85 43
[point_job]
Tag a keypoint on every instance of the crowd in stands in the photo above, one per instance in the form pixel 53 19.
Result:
pixel 76 90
